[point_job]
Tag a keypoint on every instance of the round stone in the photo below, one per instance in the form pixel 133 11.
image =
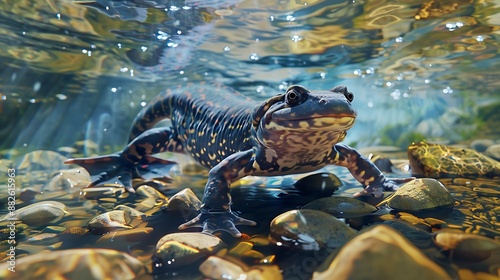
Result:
pixel 481 145
pixel 75 264
pixel 186 202
pixel 70 180
pixel 421 194
pixel 467 247
pixel 40 213
pixel 320 184
pixel 341 207
pixel 42 160
pixel 178 250
pixel 309 230
pixel 379 253
pixel 109 221
pixel 222 269
pixel 148 191
pixel 493 151
pixel 129 211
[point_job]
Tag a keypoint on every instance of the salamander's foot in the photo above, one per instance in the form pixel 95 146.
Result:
pixel 214 221
pixel 388 184
pixel 107 168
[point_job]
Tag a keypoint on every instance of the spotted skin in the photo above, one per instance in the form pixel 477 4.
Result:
pixel 295 132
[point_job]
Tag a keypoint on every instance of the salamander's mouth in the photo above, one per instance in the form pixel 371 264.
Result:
pixel 329 123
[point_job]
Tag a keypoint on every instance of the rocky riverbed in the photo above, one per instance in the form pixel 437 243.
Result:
pixel 444 225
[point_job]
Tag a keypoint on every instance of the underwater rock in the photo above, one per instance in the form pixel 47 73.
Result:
pixel 186 202
pixel 148 191
pixel 420 194
pixel 221 269
pixel 384 164
pixel 109 221
pixel 28 194
pixel 103 191
pixel 466 247
pixel 341 207
pixel 53 229
pixel 489 190
pixel 126 236
pixel 481 145
pixel 5 165
pixel 42 160
pixel 435 160
pixel 40 213
pixel 380 253
pixel 320 184
pixel 177 250
pixel 75 264
pixel 129 211
pixel 309 230
pixel 69 180
pixel 243 250
pixel 493 151
pixel 43 239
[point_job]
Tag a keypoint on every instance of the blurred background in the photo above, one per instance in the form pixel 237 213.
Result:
pixel 79 71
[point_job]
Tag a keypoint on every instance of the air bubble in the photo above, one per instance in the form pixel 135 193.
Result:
pixel 254 56
pixel 61 96
pixel 447 90
pixel 162 36
pixel 37 86
pixel 296 38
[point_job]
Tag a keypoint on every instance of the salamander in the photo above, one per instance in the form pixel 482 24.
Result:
pixel 295 132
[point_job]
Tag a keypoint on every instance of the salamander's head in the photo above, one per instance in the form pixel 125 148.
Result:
pixel 326 112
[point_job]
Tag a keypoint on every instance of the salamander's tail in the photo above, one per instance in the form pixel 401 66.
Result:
pixel 158 109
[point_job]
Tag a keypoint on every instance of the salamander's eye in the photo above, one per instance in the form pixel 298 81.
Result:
pixel 349 96
pixel 295 95
pixel 343 90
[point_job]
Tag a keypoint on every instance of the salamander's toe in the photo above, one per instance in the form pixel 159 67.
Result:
pixel 215 221
pixel 213 225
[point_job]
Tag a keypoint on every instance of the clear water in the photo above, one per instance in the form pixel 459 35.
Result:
pixel 77 71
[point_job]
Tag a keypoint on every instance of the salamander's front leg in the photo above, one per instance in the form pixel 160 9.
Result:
pixel 372 179
pixel 216 211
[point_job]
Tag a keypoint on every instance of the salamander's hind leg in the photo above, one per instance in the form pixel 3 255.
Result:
pixel 133 160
